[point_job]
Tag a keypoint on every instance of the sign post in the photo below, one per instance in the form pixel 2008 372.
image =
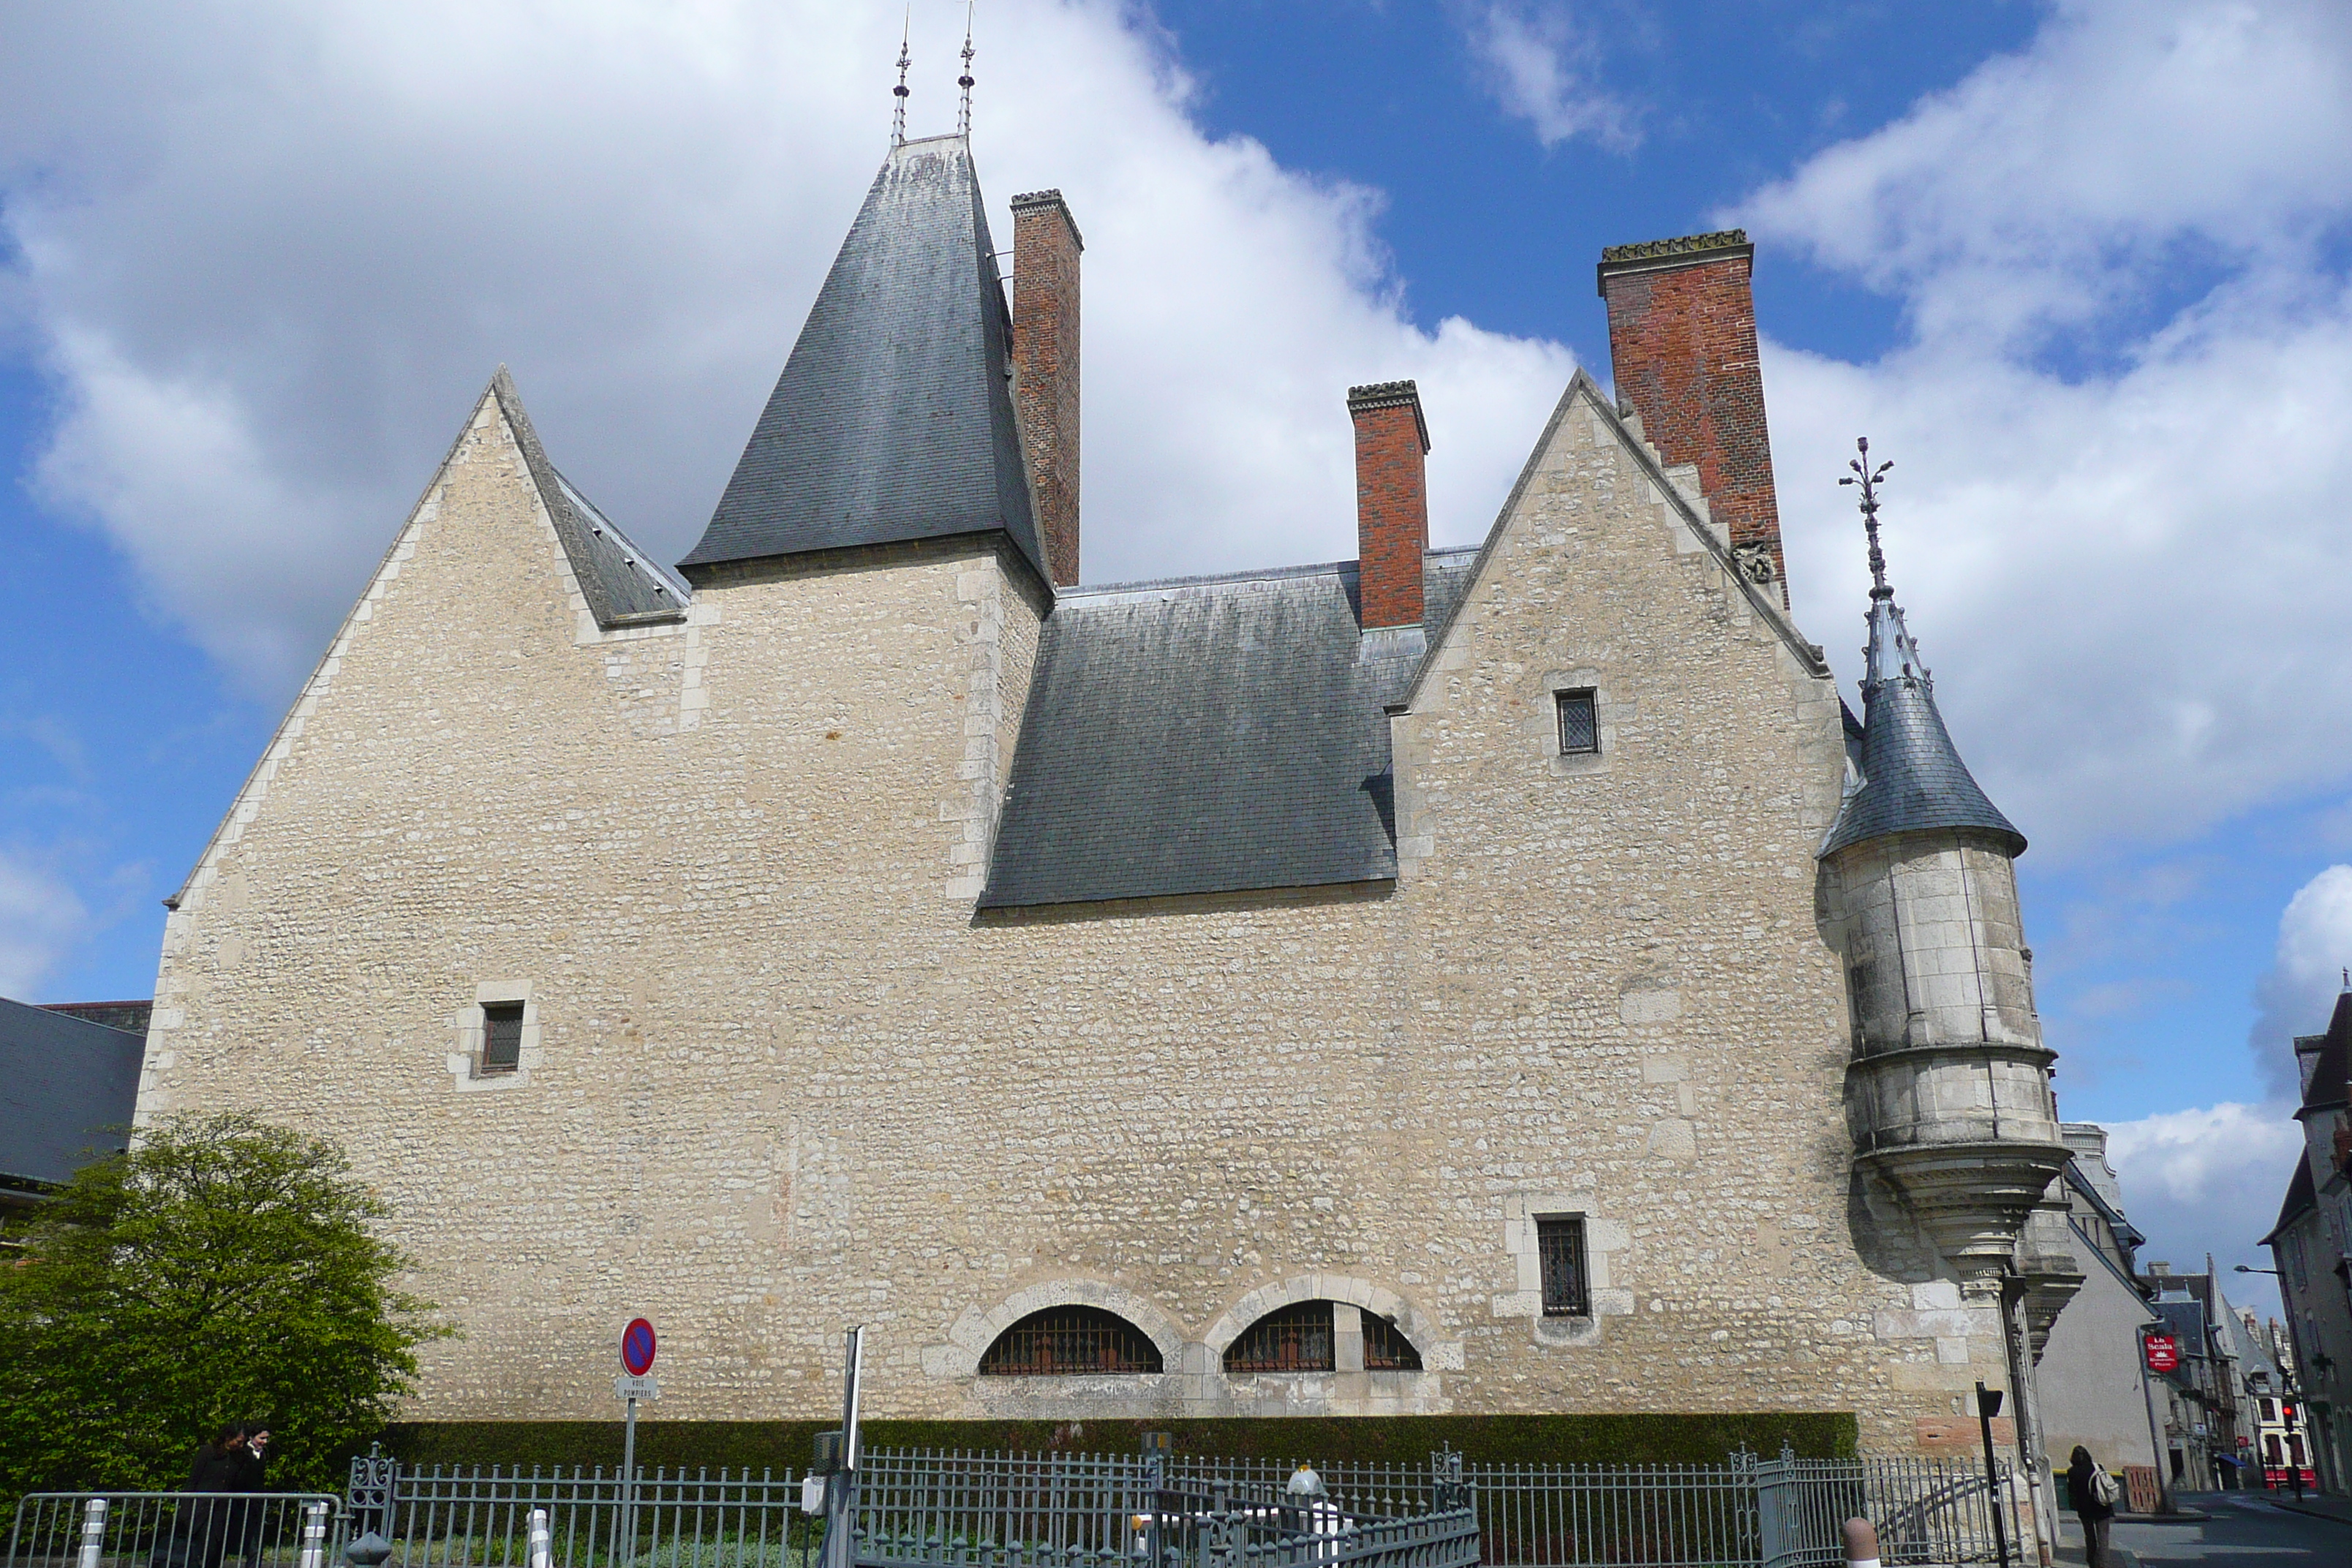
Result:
pixel 1989 1406
pixel 2159 1352
pixel 635 1382
pixel 841 1493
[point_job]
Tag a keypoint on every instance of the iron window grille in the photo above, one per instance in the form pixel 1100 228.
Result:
pixel 502 1037
pixel 1579 727
pixel 1296 1337
pixel 1386 1349
pixel 1066 1341
pixel 1559 1249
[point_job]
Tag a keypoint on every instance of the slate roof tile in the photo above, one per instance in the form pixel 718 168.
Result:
pixel 893 419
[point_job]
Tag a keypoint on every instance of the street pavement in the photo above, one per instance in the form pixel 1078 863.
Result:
pixel 2246 1531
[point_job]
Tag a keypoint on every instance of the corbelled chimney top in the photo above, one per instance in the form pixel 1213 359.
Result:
pixel 1051 199
pixel 1390 395
pixel 1678 252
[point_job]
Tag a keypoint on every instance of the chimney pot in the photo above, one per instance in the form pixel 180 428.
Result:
pixel 1682 344
pixel 1045 250
pixel 1392 501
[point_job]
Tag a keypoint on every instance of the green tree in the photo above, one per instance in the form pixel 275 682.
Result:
pixel 223 1268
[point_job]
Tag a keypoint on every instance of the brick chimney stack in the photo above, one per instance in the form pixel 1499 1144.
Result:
pixel 1682 343
pixel 1046 246
pixel 1391 501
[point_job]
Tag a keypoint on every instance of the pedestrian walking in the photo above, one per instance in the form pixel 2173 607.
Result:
pixel 2093 1493
pixel 251 1461
pixel 194 1539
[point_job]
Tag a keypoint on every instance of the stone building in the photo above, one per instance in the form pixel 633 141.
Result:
pixel 2311 1245
pixel 1494 980
pixel 2089 1377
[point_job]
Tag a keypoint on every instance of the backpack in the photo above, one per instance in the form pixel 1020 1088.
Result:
pixel 2103 1489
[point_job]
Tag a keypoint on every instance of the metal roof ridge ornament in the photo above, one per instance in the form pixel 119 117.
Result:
pixel 963 109
pixel 1892 653
pixel 898 115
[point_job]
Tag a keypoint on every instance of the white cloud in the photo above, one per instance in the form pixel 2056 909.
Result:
pixel 2123 420
pixel 1543 69
pixel 40 920
pixel 2207 1180
pixel 271 252
pixel 2298 995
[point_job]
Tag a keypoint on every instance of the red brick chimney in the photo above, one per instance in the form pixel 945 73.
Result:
pixel 1046 246
pixel 1391 501
pixel 1682 341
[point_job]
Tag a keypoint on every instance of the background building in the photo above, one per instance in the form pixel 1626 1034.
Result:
pixel 2093 1386
pixel 2311 1244
pixel 68 1084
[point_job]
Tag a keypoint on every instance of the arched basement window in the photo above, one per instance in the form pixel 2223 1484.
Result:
pixel 1069 1342
pixel 1386 1349
pixel 1296 1337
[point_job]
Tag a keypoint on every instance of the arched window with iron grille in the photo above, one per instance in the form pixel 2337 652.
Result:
pixel 1301 1338
pixel 1065 1341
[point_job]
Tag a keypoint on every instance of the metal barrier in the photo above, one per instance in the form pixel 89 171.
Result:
pixel 173 1529
pixel 921 1509
pixel 580 1518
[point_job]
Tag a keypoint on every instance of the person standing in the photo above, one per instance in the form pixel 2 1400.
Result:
pixel 2093 1493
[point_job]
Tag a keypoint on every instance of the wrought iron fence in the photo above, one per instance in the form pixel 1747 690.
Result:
pixel 921 1509
pixel 175 1530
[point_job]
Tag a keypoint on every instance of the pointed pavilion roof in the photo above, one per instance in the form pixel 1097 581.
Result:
pixel 893 419
pixel 1912 775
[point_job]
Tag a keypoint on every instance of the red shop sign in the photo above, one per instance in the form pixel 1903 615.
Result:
pixel 2162 1351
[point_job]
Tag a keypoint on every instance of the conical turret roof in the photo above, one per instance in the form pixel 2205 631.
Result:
pixel 1912 775
pixel 893 419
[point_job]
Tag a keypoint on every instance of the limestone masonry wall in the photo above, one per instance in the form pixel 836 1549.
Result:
pixel 777 1080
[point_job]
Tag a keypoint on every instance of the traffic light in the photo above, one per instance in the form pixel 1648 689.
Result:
pixel 2286 1411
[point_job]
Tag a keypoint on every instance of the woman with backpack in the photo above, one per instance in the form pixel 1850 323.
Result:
pixel 2094 1494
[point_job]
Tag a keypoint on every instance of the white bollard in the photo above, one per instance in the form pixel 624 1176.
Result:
pixel 314 1537
pixel 93 1532
pixel 542 1544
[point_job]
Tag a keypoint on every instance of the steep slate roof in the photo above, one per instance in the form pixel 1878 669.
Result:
pixel 893 419
pixel 67 1086
pixel 1912 775
pixel 2330 1084
pixel 2302 1197
pixel 622 585
pixel 1209 734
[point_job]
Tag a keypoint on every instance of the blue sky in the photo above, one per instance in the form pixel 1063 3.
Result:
pixel 2081 268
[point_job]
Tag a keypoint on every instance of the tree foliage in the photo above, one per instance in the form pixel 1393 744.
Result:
pixel 221 1269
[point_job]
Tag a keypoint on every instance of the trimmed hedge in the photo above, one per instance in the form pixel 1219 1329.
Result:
pixel 1645 1439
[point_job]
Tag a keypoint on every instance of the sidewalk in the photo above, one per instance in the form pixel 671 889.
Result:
pixel 2311 1503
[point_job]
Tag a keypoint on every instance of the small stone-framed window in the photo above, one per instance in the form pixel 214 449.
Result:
pixel 502 1037
pixel 1579 723
pixel 1559 1252
pixel 1071 1340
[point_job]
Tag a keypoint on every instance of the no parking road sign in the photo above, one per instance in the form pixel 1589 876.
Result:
pixel 637 1381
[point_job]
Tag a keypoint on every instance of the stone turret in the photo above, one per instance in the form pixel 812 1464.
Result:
pixel 1949 1093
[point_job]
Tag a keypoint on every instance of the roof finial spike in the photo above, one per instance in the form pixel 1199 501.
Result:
pixel 963 112
pixel 898 117
pixel 1868 478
